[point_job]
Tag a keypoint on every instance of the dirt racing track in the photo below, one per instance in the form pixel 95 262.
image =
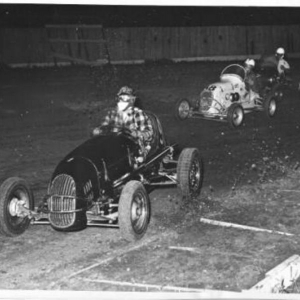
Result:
pixel 251 178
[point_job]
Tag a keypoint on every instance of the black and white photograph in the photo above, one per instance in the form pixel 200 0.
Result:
pixel 149 150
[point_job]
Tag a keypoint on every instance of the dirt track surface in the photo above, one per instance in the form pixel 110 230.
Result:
pixel 46 113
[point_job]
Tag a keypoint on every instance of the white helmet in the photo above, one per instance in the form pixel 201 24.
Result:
pixel 280 51
pixel 250 62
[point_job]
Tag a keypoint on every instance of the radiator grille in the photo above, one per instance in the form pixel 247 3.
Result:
pixel 206 99
pixel 62 202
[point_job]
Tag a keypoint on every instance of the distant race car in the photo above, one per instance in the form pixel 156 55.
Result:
pixel 101 183
pixel 228 99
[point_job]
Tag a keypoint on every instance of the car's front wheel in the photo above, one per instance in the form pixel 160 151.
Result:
pixel 182 109
pixel 134 211
pixel 190 173
pixel 270 106
pixel 16 200
pixel 235 115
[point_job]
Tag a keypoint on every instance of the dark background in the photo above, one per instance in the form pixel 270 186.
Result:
pixel 36 15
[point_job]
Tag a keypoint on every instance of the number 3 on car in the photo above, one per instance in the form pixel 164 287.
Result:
pixel 228 100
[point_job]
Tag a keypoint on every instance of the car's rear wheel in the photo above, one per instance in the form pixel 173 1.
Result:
pixel 134 211
pixel 16 199
pixel 235 115
pixel 190 173
pixel 182 109
pixel 270 106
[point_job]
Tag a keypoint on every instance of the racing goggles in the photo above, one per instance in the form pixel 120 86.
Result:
pixel 125 98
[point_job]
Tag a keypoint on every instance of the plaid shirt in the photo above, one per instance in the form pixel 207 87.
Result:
pixel 132 118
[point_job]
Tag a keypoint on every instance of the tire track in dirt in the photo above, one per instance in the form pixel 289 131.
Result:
pixel 45 269
pixel 114 255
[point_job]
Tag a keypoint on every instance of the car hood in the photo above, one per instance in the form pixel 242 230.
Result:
pixel 107 147
pixel 222 86
pixel 109 152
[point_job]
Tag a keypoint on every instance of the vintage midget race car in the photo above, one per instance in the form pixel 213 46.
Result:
pixel 100 183
pixel 228 100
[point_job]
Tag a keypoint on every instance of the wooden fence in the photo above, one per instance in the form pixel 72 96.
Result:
pixel 90 44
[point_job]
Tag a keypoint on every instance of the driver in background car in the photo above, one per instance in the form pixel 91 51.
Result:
pixel 126 115
pixel 251 80
pixel 276 63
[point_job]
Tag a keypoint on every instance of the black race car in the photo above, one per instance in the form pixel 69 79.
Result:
pixel 101 183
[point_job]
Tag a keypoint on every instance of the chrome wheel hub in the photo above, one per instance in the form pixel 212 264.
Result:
pixel 16 207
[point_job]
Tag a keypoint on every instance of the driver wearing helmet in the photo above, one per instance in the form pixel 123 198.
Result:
pixel 283 66
pixel 125 114
pixel 275 63
pixel 250 79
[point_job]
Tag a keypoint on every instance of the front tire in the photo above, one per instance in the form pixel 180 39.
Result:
pixel 270 107
pixel 235 115
pixel 190 173
pixel 134 211
pixel 182 109
pixel 14 193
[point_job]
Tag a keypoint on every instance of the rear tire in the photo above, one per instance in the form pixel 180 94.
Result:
pixel 182 109
pixel 134 211
pixel 190 173
pixel 13 191
pixel 270 107
pixel 235 115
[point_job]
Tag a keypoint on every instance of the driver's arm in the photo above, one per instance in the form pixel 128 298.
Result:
pixel 107 120
pixel 143 125
pixel 250 79
pixel 284 66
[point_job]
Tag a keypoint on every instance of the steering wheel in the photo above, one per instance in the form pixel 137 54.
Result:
pixel 119 130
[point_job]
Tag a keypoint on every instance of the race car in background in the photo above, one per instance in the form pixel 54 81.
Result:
pixel 228 100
